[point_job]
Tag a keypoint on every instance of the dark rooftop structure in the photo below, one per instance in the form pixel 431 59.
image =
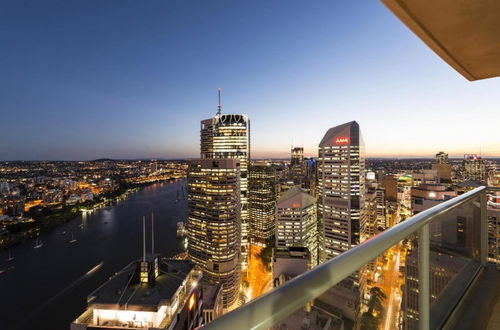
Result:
pixel 120 291
pixel 345 134
pixel 210 294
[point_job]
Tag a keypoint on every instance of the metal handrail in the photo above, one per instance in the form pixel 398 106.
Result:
pixel 272 307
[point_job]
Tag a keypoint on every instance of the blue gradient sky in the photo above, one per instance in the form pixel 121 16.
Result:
pixel 133 79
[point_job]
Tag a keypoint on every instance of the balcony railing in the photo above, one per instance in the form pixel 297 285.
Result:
pixel 468 248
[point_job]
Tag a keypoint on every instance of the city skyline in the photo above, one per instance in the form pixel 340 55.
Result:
pixel 130 81
pixel 267 165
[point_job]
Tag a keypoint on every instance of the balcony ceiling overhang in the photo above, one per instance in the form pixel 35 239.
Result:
pixel 464 33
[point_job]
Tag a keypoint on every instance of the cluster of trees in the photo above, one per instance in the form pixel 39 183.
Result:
pixel 47 218
pixel 266 253
pixel 371 318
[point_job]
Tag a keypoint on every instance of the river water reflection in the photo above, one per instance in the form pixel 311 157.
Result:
pixel 47 287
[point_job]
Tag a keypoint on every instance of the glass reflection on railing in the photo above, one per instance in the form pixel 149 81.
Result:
pixel 454 260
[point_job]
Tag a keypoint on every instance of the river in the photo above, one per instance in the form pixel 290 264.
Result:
pixel 47 287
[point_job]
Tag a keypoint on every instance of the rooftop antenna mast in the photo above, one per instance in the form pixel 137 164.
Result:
pixel 143 238
pixel 152 233
pixel 219 106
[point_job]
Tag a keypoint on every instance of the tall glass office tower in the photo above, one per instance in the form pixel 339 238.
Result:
pixel 341 180
pixel 228 136
pixel 214 224
pixel 262 202
pixel 297 163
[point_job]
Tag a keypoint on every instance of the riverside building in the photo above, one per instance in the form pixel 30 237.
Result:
pixel 214 224
pixel 150 293
pixel 228 136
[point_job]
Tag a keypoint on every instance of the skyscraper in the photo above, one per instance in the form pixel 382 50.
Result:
pixel 228 136
pixel 341 180
pixel 261 201
pixel 297 162
pixel 381 207
pixel 214 224
pixel 369 223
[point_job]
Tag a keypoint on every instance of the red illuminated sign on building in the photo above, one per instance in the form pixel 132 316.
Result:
pixel 342 140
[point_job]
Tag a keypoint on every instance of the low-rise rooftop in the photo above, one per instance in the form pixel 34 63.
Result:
pixel 118 293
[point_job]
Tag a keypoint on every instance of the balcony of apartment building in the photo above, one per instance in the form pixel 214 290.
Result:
pixel 443 275
pixel 444 260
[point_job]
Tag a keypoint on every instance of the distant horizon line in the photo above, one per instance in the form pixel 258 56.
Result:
pixel 190 158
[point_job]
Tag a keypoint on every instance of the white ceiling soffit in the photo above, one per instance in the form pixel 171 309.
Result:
pixel 464 33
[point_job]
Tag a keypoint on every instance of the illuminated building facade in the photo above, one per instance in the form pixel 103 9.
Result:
pixel 474 168
pixel 297 162
pixel 442 158
pixel 214 223
pixel 341 178
pixel 228 136
pixel 261 201
pixel 167 297
pixel 296 222
pixel 154 166
pixel 369 222
pixel 494 179
pixel 381 207
pixel 12 205
pixel 341 187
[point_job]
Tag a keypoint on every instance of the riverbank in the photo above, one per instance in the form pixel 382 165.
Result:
pixel 47 219
pixel 51 284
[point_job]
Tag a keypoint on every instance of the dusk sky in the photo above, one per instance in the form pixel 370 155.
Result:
pixel 87 79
